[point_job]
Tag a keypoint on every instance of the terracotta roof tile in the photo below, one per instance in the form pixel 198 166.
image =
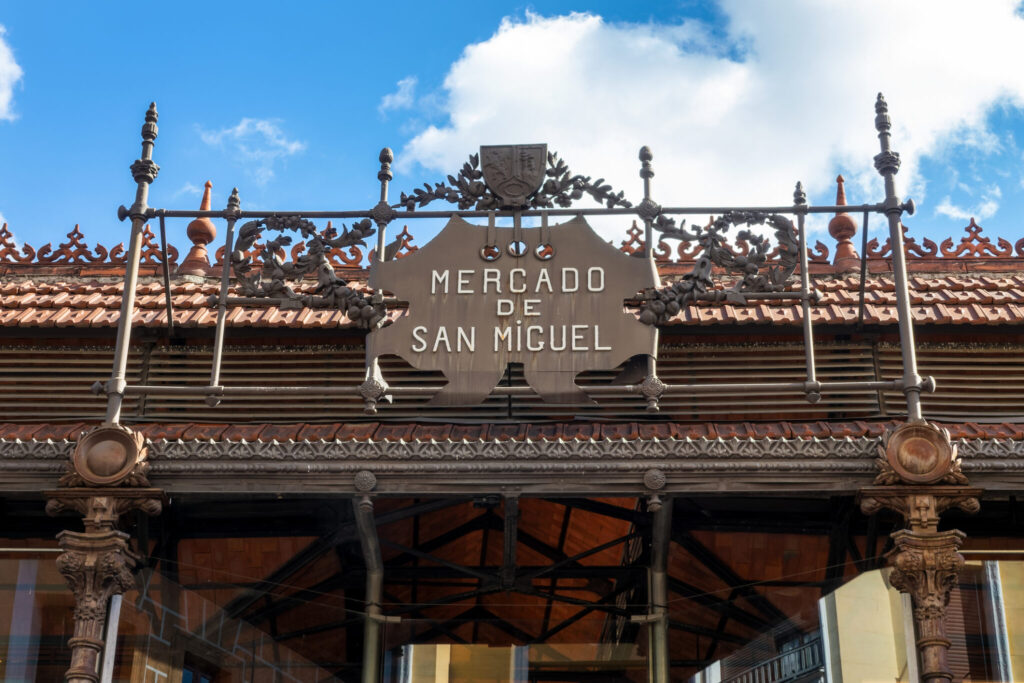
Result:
pixel 394 432
pixel 657 430
pixel 288 432
pixel 59 431
pixel 622 430
pixel 506 432
pixel 357 432
pixel 204 431
pixel 468 432
pixel 438 432
pixel 243 432
pixel 696 431
pixel 318 432
pixel 24 432
pixel 733 430
pixel 807 430
pixel 982 299
pixel 548 432
pixel 581 431
pixel 172 431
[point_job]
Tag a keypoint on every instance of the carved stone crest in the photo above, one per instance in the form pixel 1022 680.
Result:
pixel 513 172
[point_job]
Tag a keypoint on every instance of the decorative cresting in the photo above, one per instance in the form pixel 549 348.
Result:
pixel 920 477
pixel 271 280
pixel 756 273
pixel 76 252
pixel 106 477
pixel 513 177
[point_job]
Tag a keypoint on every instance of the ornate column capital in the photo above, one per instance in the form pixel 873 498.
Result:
pixel 920 478
pixel 96 566
pixel 106 477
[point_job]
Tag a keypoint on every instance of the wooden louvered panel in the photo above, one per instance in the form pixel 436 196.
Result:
pixel 975 383
pixel 53 383
pixel 49 383
pixel 343 366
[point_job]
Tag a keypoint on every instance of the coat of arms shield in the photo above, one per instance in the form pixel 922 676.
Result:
pixel 513 172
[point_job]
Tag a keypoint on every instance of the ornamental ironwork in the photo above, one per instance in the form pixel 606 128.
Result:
pixel 555 186
pixel 514 183
pixel 272 279
pixel 659 306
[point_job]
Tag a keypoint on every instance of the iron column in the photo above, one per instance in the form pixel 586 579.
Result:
pixel 144 172
pixel 887 162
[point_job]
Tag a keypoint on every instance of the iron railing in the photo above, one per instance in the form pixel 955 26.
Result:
pixel 790 667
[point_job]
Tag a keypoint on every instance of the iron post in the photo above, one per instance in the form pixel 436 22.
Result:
pixel 887 162
pixel 812 389
pixel 367 527
pixel 661 535
pixel 144 171
pixel 231 214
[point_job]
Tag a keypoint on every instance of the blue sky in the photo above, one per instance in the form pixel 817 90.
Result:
pixel 291 103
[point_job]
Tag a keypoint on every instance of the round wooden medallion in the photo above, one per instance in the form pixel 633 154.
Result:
pixel 920 453
pixel 106 455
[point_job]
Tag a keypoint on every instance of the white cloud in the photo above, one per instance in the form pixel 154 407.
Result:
pixel 260 143
pixel 796 104
pixel 10 74
pixel 190 189
pixel 402 98
pixel 986 206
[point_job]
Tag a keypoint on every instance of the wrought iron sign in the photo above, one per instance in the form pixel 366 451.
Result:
pixel 550 298
pixel 555 298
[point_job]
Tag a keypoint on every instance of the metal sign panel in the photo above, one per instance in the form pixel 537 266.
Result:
pixel 477 303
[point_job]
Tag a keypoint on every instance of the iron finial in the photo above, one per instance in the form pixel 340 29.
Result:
pixel 149 128
pixel 799 196
pixel 887 162
pixel 234 203
pixel 145 170
pixel 842 227
pixel 882 121
pixel 646 157
pixel 201 231
pixel 386 157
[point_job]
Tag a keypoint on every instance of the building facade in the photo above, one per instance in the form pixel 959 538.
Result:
pixel 513 453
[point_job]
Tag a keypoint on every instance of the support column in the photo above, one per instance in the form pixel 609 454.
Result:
pixel 96 566
pixel 365 482
pixel 921 478
pixel 106 478
pixel 927 567
pixel 661 535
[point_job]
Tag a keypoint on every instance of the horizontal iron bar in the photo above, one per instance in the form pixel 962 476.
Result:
pixel 473 213
pixel 296 304
pixel 670 389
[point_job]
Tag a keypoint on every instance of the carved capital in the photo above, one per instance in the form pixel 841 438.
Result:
pixel 920 506
pixel 96 566
pixel 101 508
pixel 927 566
